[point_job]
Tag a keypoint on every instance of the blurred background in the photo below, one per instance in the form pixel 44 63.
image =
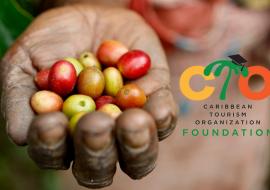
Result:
pixel 17 171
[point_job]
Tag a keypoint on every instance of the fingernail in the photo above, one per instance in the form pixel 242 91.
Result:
pixel 136 139
pixel 51 136
pixel 164 132
pixel 97 142
pixel 164 122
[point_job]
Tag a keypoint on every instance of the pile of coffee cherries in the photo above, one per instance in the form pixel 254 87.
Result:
pixel 89 83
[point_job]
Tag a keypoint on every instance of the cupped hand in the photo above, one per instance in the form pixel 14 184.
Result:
pixel 99 141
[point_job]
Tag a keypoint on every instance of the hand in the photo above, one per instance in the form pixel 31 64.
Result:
pixel 69 31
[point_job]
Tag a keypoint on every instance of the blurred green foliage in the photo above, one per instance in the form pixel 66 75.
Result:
pixel 31 6
pixel 17 171
pixel 13 20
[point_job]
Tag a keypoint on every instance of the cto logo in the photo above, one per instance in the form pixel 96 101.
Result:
pixel 235 66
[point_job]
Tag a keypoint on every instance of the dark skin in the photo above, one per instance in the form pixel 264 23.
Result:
pixel 67 32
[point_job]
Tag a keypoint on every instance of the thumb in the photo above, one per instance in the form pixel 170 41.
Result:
pixel 17 88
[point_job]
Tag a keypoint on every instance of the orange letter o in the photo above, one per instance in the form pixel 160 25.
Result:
pixel 244 87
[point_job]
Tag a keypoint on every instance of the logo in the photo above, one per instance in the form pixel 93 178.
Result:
pixel 221 118
pixel 235 66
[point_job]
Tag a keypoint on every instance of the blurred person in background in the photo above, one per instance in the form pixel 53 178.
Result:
pixel 193 33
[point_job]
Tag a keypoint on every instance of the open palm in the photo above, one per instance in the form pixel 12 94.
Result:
pixel 66 32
